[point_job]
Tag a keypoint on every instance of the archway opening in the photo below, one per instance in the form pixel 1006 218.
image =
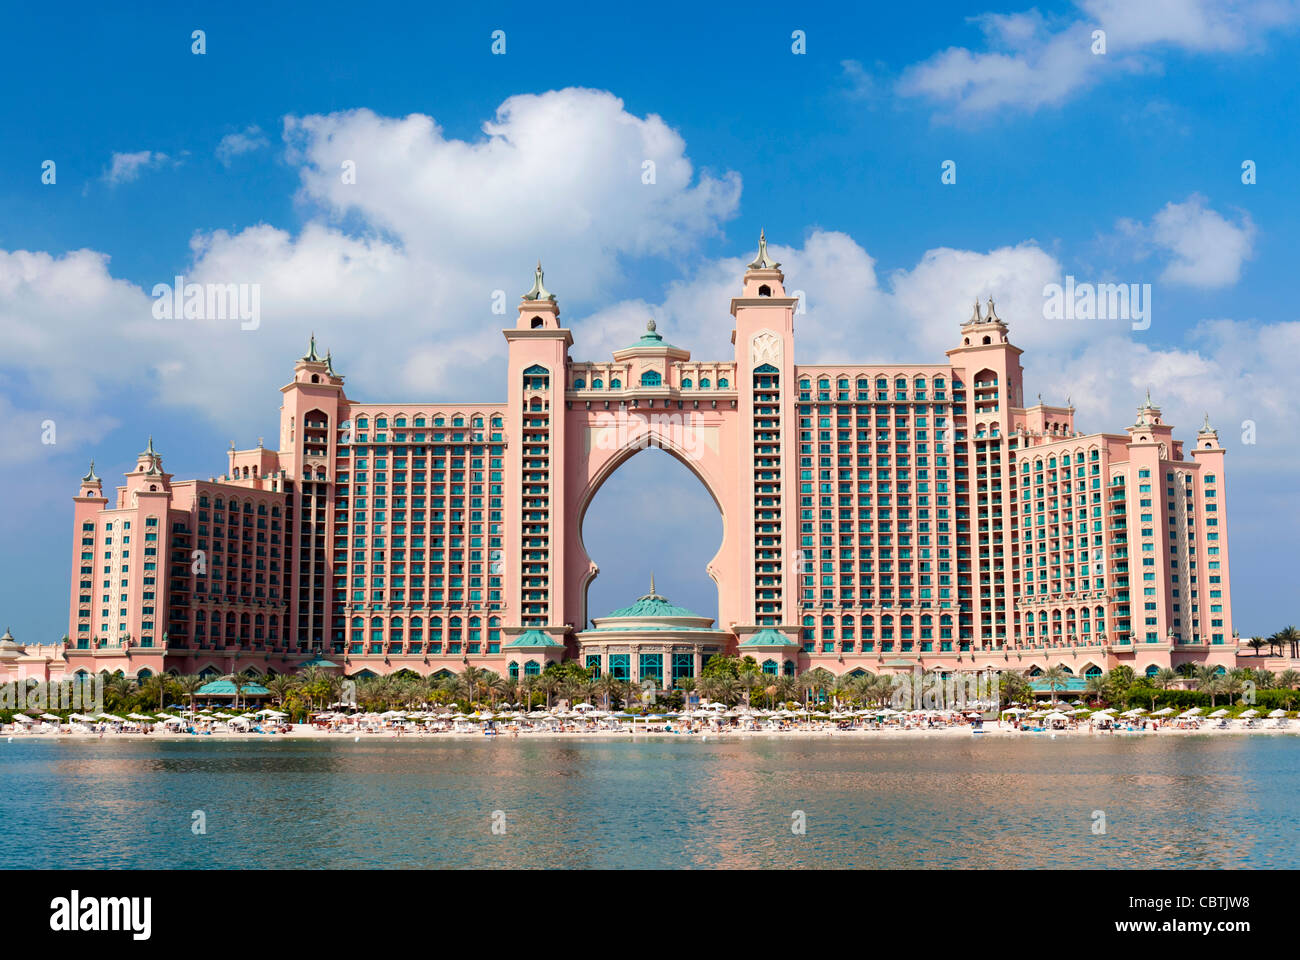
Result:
pixel 653 515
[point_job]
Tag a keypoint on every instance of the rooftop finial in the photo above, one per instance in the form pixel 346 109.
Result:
pixel 763 261
pixel 149 451
pixel 91 478
pixel 650 324
pixel 310 356
pixel 975 316
pixel 1207 428
pixel 992 314
pixel 538 290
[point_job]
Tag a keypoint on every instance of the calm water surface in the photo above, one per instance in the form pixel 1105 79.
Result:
pixel 1169 802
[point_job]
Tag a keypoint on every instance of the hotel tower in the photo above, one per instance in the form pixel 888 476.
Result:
pixel 876 517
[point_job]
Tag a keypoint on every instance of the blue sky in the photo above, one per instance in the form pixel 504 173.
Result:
pixel 1123 166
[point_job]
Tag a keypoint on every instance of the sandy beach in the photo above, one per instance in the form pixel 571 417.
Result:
pixel 309 732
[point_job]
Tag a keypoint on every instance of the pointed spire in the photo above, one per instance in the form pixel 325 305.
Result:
pixel 1147 404
pixel 311 356
pixel 1207 428
pixel 149 450
pixel 90 474
pixel 763 261
pixel 652 582
pixel 975 316
pixel 992 316
pixel 329 364
pixel 538 290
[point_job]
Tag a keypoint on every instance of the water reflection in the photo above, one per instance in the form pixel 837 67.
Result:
pixel 1176 802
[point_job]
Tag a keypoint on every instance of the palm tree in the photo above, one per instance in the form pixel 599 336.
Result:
pixel 155 688
pixel 1288 680
pixel 240 682
pixel 280 687
pixel 1255 643
pixel 118 690
pixel 1209 680
pixel 1290 637
pixel 816 682
pixel 548 684
pixel 470 682
pixel 1097 685
pixel 1055 676
pixel 189 685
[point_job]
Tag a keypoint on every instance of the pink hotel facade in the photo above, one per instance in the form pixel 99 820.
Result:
pixel 875 517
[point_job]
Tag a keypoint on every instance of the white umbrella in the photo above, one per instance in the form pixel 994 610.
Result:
pixel 1194 712
pixel 1218 714
pixel 50 716
pixel 1277 713
pixel 1250 714
pixel 23 718
pixel 1163 712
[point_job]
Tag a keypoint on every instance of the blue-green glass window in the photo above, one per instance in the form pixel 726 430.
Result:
pixel 683 665
pixel 652 665
pixel 620 665
pixel 593 664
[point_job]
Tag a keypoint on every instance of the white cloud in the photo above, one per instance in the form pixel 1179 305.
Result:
pixel 1201 247
pixel 396 273
pixel 126 167
pixel 1029 62
pixel 237 144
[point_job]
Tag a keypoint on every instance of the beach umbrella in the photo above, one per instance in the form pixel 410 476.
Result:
pixel 1163 712
pixel 50 716
pixel 1250 714
pixel 1194 712
pixel 1277 713
pixel 1217 714
pixel 23 718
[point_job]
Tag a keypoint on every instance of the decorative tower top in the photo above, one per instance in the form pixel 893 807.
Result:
pixel 1204 429
pixel 652 595
pixel 992 316
pixel 763 261
pixel 91 478
pixel 329 364
pixel 975 316
pixel 538 290
pixel 311 356
pixel 149 450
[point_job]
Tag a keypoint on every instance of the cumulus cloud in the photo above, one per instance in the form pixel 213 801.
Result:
pixel 234 145
pixel 397 273
pixel 1200 246
pixel 1028 61
pixel 126 167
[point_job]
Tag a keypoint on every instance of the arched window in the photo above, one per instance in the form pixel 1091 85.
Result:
pixel 686 383
pixel 651 378
pixel 616 384
pixel 704 383
pixel 532 668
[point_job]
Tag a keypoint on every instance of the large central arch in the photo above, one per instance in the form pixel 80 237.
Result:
pixel 700 440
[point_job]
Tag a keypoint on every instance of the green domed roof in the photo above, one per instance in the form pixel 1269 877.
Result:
pixel 653 605
pixel 769 638
pixel 533 638
pixel 651 338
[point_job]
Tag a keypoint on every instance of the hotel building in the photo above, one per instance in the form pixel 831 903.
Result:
pixel 876 517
